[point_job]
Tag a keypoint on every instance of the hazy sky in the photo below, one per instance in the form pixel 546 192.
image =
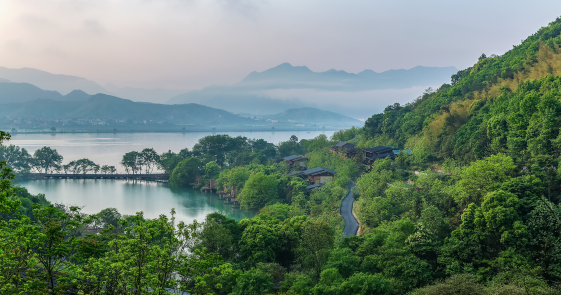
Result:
pixel 193 43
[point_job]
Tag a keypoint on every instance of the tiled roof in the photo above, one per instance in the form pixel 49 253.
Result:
pixel 318 170
pixel 293 157
pixel 379 149
pixel 353 150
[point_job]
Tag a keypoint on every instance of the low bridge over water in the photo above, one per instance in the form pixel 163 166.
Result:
pixel 157 177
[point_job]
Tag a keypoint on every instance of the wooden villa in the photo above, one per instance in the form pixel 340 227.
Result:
pixel 379 150
pixel 295 161
pixel 341 147
pixel 319 175
pixel 351 153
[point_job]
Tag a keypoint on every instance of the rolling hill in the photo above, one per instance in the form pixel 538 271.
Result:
pixel 110 107
pixel 48 81
pixel 21 92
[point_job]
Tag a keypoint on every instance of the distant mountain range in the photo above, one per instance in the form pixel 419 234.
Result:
pixel 48 81
pixel 157 95
pixel 256 92
pixel 65 84
pixel 272 91
pixel 110 107
pixel 147 95
pixel 286 76
pixel 22 92
pixel 102 106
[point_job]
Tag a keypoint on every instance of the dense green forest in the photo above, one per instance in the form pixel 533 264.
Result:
pixel 473 209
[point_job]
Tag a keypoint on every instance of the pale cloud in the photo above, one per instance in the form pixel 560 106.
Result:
pixel 77 6
pixel 14 45
pixel 92 26
pixel 36 22
pixel 55 52
pixel 245 7
pixel 194 43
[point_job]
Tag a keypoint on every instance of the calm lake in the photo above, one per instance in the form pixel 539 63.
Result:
pixel 130 197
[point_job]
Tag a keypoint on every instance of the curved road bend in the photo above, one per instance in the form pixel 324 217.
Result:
pixel 351 224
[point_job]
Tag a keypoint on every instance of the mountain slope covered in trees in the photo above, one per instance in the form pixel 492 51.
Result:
pixel 482 183
pixel 505 103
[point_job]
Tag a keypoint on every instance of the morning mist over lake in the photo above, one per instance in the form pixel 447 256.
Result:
pixel 234 147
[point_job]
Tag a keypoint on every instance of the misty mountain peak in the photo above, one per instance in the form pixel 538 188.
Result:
pixel 77 95
pixel 281 72
pixel 48 81
pixel 288 67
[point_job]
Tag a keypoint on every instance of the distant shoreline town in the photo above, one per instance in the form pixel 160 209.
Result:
pixel 56 126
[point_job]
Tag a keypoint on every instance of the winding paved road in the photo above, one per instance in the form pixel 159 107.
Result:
pixel 351 224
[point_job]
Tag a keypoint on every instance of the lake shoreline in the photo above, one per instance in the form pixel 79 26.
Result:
pixel 131 196
pixel 210 130
pixel 109 148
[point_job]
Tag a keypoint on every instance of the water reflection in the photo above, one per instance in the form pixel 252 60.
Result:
pixel 131 196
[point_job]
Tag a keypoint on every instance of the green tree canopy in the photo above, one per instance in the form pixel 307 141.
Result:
pixel 18 158
pixel 47 159
pixel 212 170
pixel 259 190
pixel 132 162
pixel 186 172
pixel 149 159
pixel 481 176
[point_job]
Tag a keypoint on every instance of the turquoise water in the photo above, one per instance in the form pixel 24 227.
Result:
pixel 130 197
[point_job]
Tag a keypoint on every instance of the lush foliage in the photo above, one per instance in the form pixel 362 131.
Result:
pixel 187 172
pixel 141 162
pixel 473 209
pixel 481 188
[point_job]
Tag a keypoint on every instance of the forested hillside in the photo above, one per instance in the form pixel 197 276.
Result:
pixel 481 187
pixel 468 202
pixel 505 103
